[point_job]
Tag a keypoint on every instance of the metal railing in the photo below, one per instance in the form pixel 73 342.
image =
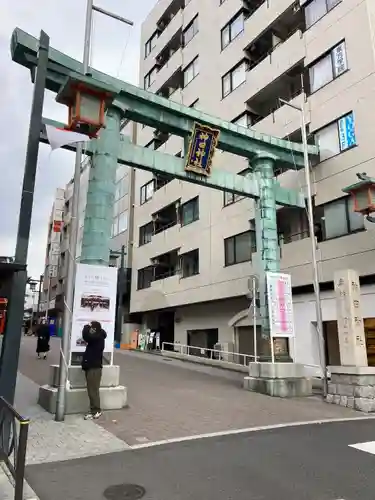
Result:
pixel 212 354
pixel 13 443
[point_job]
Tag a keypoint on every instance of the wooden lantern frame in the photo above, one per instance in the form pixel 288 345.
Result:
pixel 76 119
pixel 71 94
pixel 360 187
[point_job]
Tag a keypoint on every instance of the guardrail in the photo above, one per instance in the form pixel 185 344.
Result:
pixel 213 354
pixel 13 443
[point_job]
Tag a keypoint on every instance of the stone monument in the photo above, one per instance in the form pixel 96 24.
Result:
pixel 353 383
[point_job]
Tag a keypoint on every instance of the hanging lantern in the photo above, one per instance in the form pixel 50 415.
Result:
pixel 87 102
pixel 363 194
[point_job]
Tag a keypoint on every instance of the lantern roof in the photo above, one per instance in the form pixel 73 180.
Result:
pixel 68 89
pixel 365 182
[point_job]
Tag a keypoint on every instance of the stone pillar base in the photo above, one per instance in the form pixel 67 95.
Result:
pixel 353 387
pixel 283 380
pixel 113 396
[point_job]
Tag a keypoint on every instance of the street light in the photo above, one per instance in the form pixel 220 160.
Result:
pixel 310 213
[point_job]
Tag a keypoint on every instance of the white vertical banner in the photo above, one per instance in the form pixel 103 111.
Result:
pixel 94 300
pixel 280 304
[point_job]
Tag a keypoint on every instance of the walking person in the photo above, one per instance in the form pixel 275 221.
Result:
pixel 43 334
pixel 92 364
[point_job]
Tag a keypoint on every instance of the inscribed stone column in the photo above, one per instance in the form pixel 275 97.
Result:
pixel 266 238
pixel 351 332
pixel 101 192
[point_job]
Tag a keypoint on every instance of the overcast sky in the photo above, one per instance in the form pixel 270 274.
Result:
pixel 116 49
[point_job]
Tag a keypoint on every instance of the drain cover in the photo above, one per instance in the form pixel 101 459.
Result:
pixel 124 492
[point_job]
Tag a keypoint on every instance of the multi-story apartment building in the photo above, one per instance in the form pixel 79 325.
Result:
pixel 193 247
pixel 119 233
pixel 52 290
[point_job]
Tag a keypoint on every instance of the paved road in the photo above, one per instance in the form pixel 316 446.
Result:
pixel 169 399
pixel 310 462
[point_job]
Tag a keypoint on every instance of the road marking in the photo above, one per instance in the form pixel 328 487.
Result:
pixel 368 447
pixel 233 432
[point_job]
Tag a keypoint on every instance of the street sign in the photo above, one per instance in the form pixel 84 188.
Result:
pixel 201 149
pixel 280 304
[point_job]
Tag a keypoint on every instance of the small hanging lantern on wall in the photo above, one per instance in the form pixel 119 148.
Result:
pixel 87 101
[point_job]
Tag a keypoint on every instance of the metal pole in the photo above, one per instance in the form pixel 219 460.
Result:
pixel 310 212
pixel 12 337
pixel 71 264
pixel 120 293
pixel 48 293
pixel 318 305
pixel 112 15
pixel 39 296
pixel 255 321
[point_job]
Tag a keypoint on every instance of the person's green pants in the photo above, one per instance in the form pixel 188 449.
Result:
pixel 93 379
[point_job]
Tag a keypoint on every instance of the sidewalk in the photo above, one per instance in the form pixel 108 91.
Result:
pixel 51 441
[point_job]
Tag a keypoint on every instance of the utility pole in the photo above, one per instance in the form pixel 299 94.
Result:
pixel 71 264
pixel 12 337
pixel 310 213
pixel 120 292
pixel 41 278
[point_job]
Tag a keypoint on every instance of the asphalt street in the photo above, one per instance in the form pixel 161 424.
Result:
pixel 309 462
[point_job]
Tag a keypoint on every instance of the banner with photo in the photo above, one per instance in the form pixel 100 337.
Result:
pixel 94 300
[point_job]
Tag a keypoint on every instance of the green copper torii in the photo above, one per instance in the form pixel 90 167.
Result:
pixel 265 153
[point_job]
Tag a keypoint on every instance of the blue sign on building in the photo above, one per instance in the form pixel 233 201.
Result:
pixel 347 132
pixel 201 149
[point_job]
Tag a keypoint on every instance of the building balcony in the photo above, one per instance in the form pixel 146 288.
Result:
pixel 263 17
pixel 284 120
pixel 283 58
pixel 165 240
pixel 169 31
pixel 168 70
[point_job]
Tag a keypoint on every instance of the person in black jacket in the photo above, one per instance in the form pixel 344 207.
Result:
pixel 92 364
pixel 43 333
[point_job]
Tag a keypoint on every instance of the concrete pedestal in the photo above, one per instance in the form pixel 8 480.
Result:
pixel 283 380
pixel 353 387
pixel 112 395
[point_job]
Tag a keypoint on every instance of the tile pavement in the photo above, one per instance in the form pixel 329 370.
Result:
pixel 171 399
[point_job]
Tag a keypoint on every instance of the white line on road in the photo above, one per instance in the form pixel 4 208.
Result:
pixel 245 431
pixel 368 447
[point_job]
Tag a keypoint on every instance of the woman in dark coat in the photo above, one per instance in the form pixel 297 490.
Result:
pixel 42 346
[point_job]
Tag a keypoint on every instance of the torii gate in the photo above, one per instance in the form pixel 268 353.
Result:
pixel 265 154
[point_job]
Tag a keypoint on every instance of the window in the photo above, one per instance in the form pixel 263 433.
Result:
pixel 190 211
pixel 336 137
pixel 233 78
pixel 121 188
pixel 190 263
pixel 123 222
pixel 239 248
pixel 190 31
pixel 328 67
pixel 145 233
pixel 147 190
pixel 120 223
pixel 145 277
pixel 230 198
pixel 339 218
pixel 316 9
pixel 191 71
pixel 150 44
pixel 232 30
pixel 243 120
pixel 150 78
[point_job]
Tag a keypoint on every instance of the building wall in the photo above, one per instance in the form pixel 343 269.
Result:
pixel 350 20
